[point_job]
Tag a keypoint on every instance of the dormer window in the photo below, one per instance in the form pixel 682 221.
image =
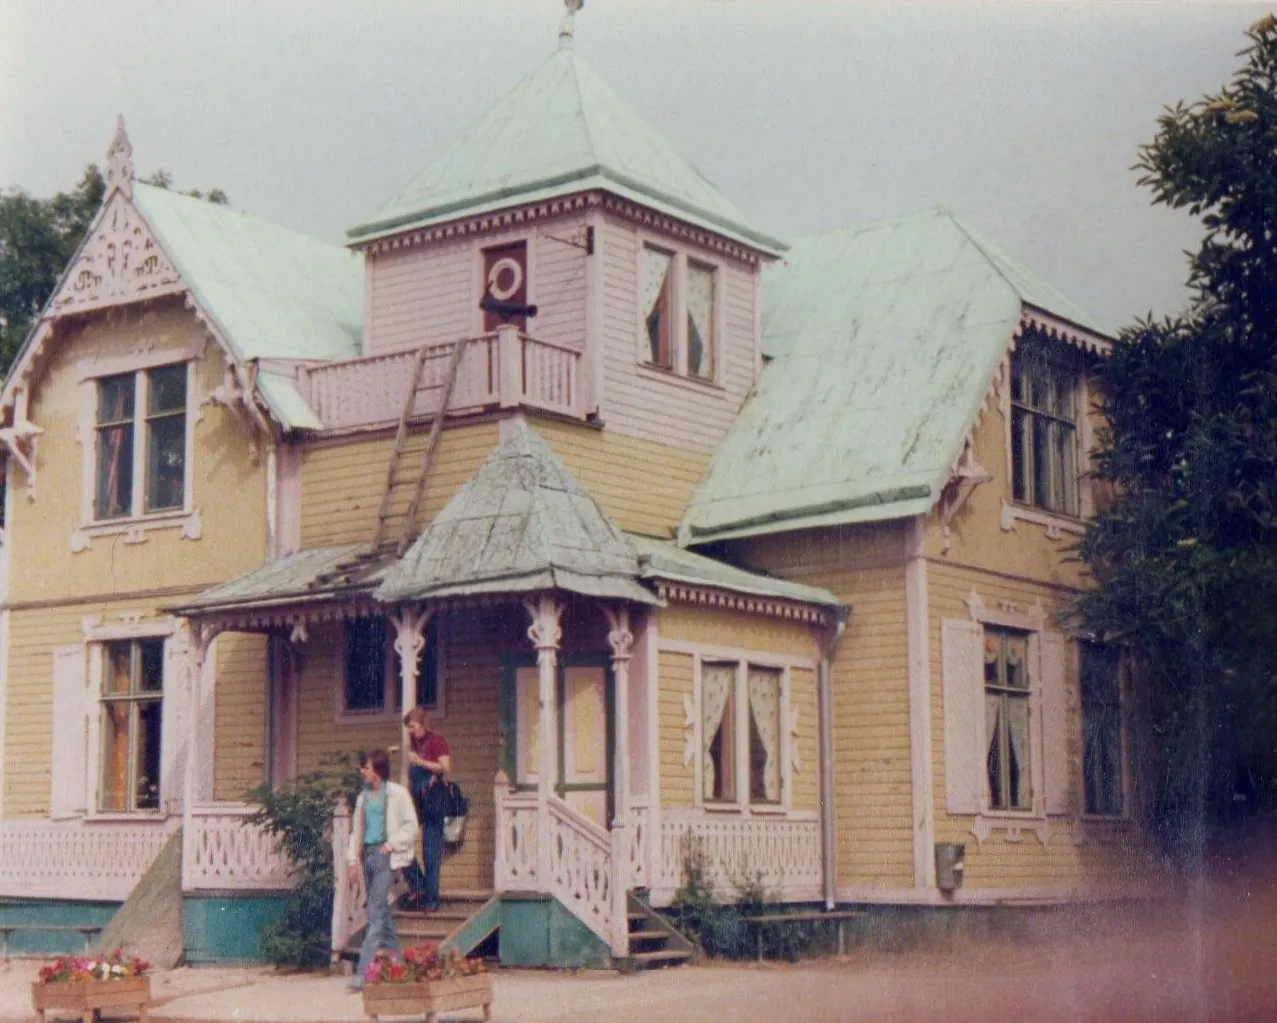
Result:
pixel 140 460
pixel 679 311
pixel 1045 402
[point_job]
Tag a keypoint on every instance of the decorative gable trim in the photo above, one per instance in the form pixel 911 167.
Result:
pixel 1032 318
pixel 774 607
pixel 119 262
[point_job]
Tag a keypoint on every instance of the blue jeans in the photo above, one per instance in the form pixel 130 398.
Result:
pixel 425 883
pixel 381 929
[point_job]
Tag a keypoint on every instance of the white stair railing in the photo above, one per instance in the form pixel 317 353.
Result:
pixel 581 868
pixel 349 911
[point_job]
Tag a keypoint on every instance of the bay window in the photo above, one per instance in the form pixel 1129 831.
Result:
pixel 740 734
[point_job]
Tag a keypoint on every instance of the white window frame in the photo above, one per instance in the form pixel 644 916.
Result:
pixel 678 314
pixel 392 684
pixel 1056 524
pixel 136 524
pixel 742 803
pixel 1014 822
pixel 96 639
pixel 1124 719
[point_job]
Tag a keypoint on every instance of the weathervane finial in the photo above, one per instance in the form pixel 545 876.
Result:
pixel 119 162
pixel 565 26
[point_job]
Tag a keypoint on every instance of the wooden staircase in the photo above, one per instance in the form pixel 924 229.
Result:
pixel 416 927
pixel 654 943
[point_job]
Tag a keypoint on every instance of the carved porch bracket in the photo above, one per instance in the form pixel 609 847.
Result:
pixel 239 403
pixel 963 481
pixel 19 441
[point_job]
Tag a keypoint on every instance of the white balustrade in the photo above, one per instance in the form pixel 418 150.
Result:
pixel 581 867
pixel 224 851
pixel 639 825
pixel 783 854
pixel 372 389
pixel 516 853
pixel 77 859
pixel 349 902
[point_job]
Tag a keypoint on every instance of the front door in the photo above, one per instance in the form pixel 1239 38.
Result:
pixel 584 740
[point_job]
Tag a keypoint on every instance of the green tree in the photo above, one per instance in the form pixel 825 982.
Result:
pixel 1185 554
pixel 38 237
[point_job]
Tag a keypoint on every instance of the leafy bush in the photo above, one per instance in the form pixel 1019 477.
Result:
pixel 723 929
pixel 299 815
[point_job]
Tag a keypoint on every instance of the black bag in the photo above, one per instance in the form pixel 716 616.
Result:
pixel 443 799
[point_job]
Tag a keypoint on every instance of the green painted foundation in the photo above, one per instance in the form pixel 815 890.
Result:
pixel 536 930
pixel 51 913
pixel 218 930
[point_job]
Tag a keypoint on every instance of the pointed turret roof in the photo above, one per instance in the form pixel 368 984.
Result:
pixel 520 524
pixel 560 130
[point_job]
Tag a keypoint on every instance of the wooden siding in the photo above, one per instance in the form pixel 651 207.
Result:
pixel 659 406
pixel 1089 857
pixel 805 780
pixel 342 482
pixel 229 491
pixel 239 743
pixel 864 567
pixel 674 676
pixel 645 487
pixel 28 691
pixel 737 630
pixel 431 292
pixel 976 536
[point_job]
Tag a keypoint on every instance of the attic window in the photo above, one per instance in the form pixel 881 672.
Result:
pixel 678 305
pixel 141 466
pixel 658 305
pixel 1045 397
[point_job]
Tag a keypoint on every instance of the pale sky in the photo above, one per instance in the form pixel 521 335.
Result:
pixel 1023 118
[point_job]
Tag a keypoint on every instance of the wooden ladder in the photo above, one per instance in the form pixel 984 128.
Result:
pixel 427 454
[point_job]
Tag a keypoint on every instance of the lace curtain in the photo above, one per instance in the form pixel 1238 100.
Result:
pixel 716 685
pixel 764 709
pixel 700 321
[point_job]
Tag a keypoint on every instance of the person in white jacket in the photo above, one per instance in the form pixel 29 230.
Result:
pixel 383 838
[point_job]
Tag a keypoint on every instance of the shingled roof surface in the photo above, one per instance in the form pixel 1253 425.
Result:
pixel 560 130
pixel 520 524
pixel 883 344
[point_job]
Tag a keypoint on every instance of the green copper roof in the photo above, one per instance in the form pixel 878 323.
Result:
pixel 560 130
pixel 520 524
pixel 884 341
pixel 271 293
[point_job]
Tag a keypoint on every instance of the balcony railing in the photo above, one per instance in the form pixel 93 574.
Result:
pixel 504 369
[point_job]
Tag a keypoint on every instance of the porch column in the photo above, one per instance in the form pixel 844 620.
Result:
pixel 410 636
pixel 202 637
pixel 621 640
pixel 545 634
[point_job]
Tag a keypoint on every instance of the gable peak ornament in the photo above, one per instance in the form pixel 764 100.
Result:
pixel 565 26
pixel 119 162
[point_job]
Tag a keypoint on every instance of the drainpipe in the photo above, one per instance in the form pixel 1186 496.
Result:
pixel 823 684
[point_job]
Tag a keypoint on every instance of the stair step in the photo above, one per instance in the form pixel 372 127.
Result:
pixel 648 936
pixel 663 957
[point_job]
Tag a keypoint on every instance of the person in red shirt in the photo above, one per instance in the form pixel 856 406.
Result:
pixel 430 764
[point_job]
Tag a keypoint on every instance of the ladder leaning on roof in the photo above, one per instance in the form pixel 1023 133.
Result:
pixel 427 453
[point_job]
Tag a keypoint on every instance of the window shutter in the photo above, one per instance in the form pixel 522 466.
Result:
pixel 960 653
pixel 174 720
pixel 1055 750
pixel 71 705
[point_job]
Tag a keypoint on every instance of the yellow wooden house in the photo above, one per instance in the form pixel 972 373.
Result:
pixel 678 529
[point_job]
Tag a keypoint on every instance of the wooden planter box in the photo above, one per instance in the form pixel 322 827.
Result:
pixel 429 997
pixel 83 997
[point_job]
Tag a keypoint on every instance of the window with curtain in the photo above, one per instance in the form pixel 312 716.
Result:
pixel 373 667
pixel 1044 423
pixel 718 732
pixel 658 305
pixel 1101 730
pixel 132 704
pixel 763 685
pixel 158 476
pixel 1006 719
pixel 700 320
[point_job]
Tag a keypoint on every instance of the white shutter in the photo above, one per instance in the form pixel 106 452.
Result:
pixel 1055 716
pixel 174 720
pixel 68 796
pixel 960 652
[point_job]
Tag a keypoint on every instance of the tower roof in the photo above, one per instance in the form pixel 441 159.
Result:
pixel 561 130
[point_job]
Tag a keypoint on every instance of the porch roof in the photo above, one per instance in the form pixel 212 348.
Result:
pixel 664 560
pixel 520 524
pixel 319 575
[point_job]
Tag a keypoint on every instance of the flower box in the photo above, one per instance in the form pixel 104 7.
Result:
pixel 429 997
pixel 84 997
